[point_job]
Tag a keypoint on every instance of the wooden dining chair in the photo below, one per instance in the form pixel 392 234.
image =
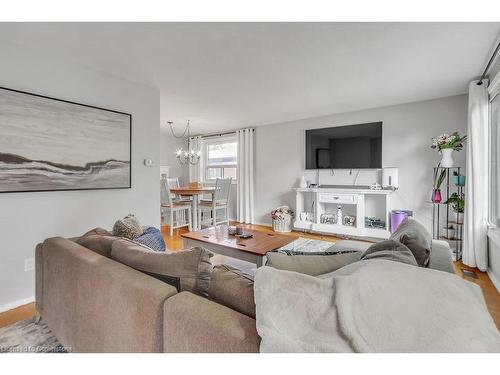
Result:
pixel 208 209
pixel 178 214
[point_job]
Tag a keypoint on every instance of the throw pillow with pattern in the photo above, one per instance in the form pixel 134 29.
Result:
pixel 152 237
pixel 128 227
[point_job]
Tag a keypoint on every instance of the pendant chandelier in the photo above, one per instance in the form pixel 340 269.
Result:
pixel 187 156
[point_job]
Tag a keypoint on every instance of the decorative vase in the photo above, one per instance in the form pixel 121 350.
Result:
pixel 340 220
pixel 447 158
pixel 303 182
pixel 459 180
pixel 436 196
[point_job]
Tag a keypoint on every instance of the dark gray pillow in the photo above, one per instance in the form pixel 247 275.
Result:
pixel 421 254
pixel 414 229
pixel 390 250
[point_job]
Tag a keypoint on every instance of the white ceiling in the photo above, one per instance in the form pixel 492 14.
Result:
pixel 226 76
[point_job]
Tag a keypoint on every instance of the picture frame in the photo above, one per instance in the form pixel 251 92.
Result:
pixel 51 144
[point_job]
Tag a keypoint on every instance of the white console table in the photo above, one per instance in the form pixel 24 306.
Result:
pixel 358 202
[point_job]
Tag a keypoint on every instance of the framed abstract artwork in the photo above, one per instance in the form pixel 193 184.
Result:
pixel 51 144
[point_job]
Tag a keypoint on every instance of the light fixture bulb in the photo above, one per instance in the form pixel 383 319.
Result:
pixel 185 156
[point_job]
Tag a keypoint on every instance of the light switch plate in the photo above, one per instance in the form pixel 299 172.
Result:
pixel 29 264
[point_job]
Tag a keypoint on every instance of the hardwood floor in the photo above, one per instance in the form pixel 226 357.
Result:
pixel 15 315
pixel 490 293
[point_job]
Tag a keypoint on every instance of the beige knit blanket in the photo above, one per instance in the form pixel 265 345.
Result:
pixel 372 306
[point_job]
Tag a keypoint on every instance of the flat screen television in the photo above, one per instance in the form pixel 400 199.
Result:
pixel 345 147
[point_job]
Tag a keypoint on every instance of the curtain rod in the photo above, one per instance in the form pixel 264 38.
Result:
pixel 221 134
pixel 489 64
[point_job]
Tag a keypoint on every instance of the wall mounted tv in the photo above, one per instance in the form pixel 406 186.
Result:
pixel 345 147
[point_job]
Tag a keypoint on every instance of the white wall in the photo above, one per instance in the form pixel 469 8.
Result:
pixel 168 146
pixel 28 218
pixel 407 133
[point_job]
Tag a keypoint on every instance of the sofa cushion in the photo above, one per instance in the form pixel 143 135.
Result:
pixel 101 244
pixel 350 245
pixel 422 255
pixel 232 288
pixel 187 270
pixel 390 250
pixel 99 231
pixel 195 324
pixel 311 264
pixel 128 227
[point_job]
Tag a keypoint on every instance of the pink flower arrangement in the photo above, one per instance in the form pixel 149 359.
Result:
pixel 282 213
pixel 446 141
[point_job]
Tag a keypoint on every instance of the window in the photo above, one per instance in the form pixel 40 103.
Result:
pixel 220 157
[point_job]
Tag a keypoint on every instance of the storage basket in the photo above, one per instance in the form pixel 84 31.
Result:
pixel 282 225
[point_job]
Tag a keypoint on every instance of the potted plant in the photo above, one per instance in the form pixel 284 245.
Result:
pixel 438 181
pixel 457 202
pixel 446 144
pixel 282 219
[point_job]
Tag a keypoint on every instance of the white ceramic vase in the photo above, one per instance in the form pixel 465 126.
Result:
pixel 447 158
pixel 303 182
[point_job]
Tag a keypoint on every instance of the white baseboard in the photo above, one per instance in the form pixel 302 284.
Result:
pixel 13 305
pixel 493 279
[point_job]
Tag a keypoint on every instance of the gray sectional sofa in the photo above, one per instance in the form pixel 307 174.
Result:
pixel 93 303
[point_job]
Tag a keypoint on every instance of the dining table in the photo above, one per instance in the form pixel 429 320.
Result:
pixel 194 192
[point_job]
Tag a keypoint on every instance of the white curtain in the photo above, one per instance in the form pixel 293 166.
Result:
pixel 195 143
pixel 245 196
pixel 476 189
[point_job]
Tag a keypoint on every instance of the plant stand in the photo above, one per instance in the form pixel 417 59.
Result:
pixel 444 215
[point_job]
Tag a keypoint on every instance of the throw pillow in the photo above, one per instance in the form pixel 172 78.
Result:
pixel 390 250
pixel 187 270
pixel 414 229
pixel 128 227
pixel 232 288
pixel 421 254
pixel 152 238
pixel 311 264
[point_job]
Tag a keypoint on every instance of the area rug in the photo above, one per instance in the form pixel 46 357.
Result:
pixel 28 337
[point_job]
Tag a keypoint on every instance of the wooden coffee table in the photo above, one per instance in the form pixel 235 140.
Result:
pixel 252 250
